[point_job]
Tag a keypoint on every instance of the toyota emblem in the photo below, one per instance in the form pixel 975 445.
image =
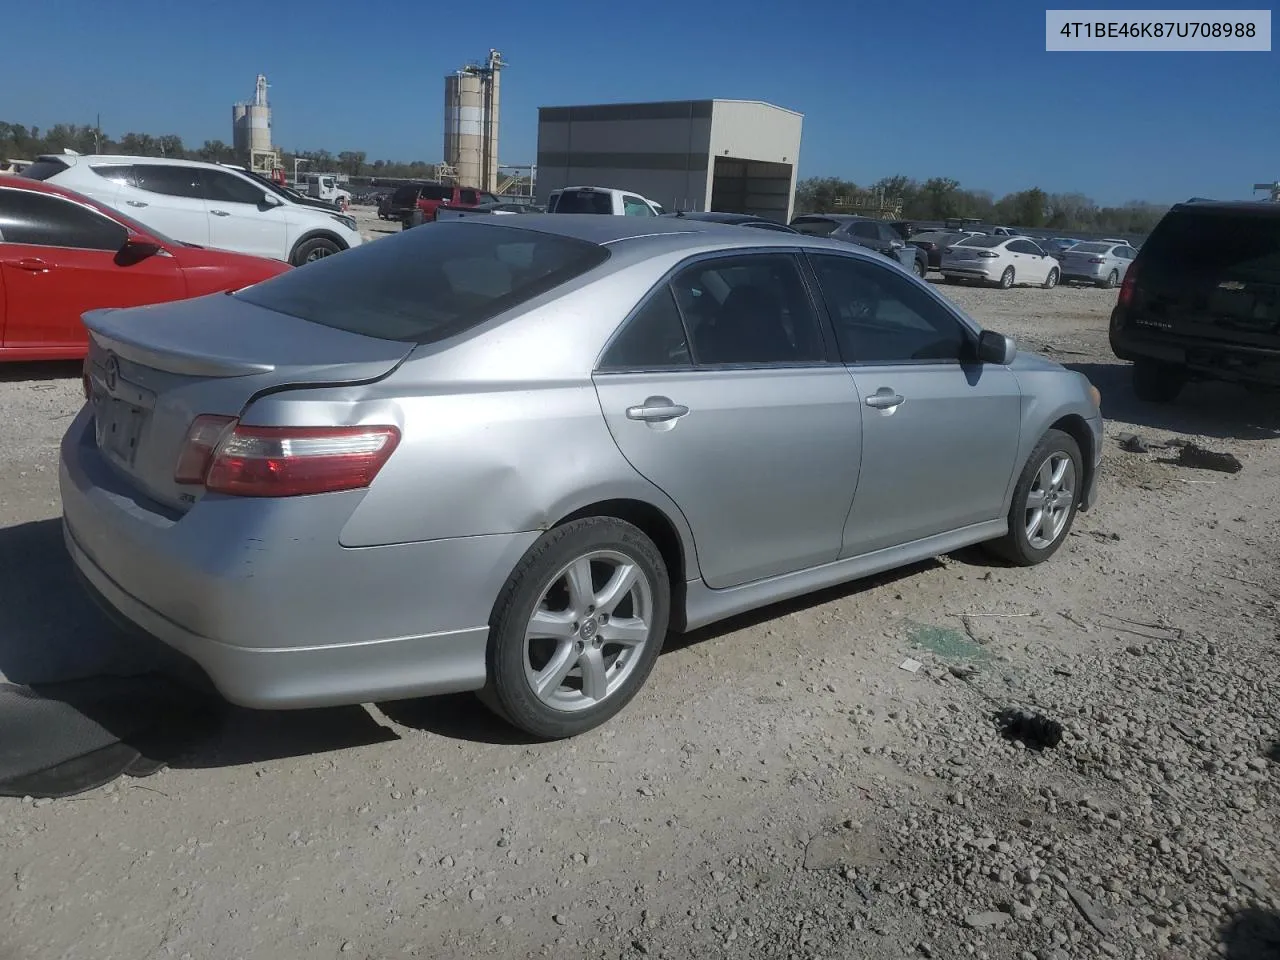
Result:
pixel 112 372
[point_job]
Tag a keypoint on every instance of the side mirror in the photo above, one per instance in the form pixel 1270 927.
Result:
pixel 136 249
pixel 996 348
pixel 896 244
pixel 271 200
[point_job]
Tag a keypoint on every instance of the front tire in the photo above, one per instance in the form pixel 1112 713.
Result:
pixel 577 628
pixel 1006 278
pixel 1157 382
pixel 918 270
pixel 1044 501
pixel 314 250
pixel 1051 281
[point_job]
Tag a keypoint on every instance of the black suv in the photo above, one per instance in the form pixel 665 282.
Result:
pixel 1202 299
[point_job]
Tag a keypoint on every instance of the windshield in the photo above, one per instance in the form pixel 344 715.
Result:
pixel 427 285
pixel 981 241
pixel 814 226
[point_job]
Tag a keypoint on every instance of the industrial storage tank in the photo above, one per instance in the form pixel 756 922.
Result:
pixel 471 123
pixel 251 123
pixel 464 126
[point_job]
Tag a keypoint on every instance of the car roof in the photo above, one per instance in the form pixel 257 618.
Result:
pixel 73 159
pixel 666 232
pixel 717 216
pixel 840 217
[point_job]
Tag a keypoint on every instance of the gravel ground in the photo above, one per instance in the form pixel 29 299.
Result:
pixel 781 789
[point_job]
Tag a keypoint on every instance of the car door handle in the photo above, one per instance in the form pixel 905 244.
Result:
pixel 885 399
pixel 34 264
pixel 656 410
pixel 220 213
pixel 136 203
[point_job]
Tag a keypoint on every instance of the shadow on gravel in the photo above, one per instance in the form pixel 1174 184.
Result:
pixel 1274 753
pixel 1222 410
pixel 459 716
pixel 43 370
pixel 1252 934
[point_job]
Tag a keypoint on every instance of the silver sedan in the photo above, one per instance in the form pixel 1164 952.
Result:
pixel 509 454
pixel 1103 263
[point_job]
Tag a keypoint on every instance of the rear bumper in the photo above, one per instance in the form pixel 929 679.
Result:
pixel 972 271
pixel 1215 359
pixel 261 595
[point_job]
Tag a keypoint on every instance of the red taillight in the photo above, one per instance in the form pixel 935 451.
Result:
pixel 988 253
pixel 249 461
pixel 1126 288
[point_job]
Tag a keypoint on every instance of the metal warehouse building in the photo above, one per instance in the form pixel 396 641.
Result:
pixel 737 156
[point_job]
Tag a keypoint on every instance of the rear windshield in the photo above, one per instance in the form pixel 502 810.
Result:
pixel 1203 242
pixel 815 227
pixel 584 201
pixel 428 284
pixel 43 169
pixel 1092 247
pixel 405 195
pixel 982 241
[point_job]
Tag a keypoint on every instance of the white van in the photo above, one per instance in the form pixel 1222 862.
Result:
pixel 203 203
pixel 605 200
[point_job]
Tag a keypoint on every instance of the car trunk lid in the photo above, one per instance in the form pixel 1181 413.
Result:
pixel 150 371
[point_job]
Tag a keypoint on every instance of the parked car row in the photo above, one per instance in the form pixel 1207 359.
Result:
pixel 63 253
pixel 1008 260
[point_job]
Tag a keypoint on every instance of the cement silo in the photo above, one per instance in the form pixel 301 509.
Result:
pixel 251 125
pixel 471 123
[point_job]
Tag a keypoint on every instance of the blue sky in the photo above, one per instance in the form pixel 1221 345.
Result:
pixel 965 91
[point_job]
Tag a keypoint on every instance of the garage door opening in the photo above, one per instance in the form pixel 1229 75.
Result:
pixel 751 186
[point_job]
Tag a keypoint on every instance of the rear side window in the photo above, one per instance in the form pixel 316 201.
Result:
pixel 583 201
pixel 434 191
pixel 43 169
pixel 121 173
pixel 1202 242
pixel 427 285
pixel 653 339
pixel 40 220
pixel 404 196
pixel 815 226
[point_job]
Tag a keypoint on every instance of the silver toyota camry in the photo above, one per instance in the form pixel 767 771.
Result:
pixel 508 454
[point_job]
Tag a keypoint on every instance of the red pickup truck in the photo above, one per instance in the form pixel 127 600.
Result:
pixel 417 203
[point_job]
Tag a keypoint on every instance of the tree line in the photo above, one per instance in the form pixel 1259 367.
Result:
pixel 941 198
pixel 934 199
pixel 19 142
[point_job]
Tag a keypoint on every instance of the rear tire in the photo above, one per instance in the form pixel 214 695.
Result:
pixel 1157 382
pixel 548 624
pixel 314 250
pixel 1006 278
pixel 1044 501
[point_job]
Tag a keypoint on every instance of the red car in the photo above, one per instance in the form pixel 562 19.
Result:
pixel 62 254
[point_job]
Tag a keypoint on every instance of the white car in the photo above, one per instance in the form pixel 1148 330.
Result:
pixel 203 203
pixel 1004 261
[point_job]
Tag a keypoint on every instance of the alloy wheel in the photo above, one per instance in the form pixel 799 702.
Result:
pixel 586 636
pixel 1050 500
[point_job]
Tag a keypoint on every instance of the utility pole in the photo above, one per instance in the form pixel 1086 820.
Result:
pixel 97 135
pixel 1271 188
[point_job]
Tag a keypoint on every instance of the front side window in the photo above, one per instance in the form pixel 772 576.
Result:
pixel 228 188
pixel 468 197
pixel 881 317
pixel 171 181
pixel 1023 246
pixel 430 285
pixel 653 339
pixel 47 221
pixel 865 230
pixel 748 310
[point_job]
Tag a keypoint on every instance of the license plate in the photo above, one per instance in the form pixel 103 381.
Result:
pixel 118 426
